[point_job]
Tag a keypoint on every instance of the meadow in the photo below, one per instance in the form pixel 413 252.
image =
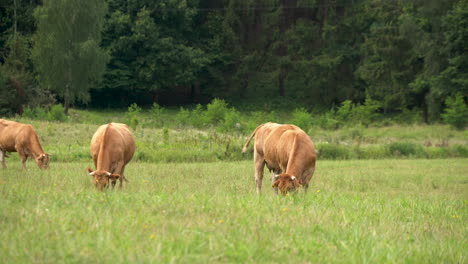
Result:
pixel 356 211
pixel 395 193
pixel 171 140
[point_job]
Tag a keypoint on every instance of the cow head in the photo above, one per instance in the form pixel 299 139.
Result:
pixel 102 178
pixel 286 183
pixel 43 160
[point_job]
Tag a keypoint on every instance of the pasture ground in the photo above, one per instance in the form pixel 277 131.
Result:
pixel 365 211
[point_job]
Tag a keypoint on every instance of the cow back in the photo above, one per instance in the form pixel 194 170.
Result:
pixel 287 147
pixel 14 133
pixel 112 143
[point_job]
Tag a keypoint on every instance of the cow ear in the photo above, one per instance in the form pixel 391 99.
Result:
pixel 90 171
pixel 113 176
pixel 275 184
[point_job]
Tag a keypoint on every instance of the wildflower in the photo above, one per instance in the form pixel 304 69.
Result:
pixel 152 236
pixel 221 221
pixel 318 191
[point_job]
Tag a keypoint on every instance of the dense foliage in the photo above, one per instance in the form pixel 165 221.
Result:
pixel 267 54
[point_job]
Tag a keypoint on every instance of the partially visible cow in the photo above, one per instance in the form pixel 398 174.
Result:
pixel 21 138
pixel 287 151
pixel 112 147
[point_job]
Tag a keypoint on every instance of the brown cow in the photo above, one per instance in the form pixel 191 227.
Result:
pixel 21 138
pixel 112 147
pixel 287 151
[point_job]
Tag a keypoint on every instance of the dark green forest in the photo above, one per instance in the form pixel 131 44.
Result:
pixel 402 55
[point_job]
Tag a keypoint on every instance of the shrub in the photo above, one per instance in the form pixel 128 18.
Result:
pixel 371 152
pixel 345 110
pixel 436 152
pixel 302 118
pixel 216 111
pixel 456 113
pixel 197 117
pixel 157 113
pixel 326 121
pixel 366 113
pixel 334 151
pixel 28 112
pixel 461 151
pixel 405 149
pixel 132 116
pixel 183 117
pixel 232 122
pixel 37 113
pixel 409 116
pixel 56 113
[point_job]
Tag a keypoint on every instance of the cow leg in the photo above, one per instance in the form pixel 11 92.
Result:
pixel 121 178
pixel 259 165
pixel 273 179
pixel 307 176
pixel 2 158
pixel 23 157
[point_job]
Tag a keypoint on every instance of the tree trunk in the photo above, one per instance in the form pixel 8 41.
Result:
pixel 66 100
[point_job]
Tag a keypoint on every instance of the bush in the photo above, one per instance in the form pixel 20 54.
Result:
pixel 302 119
pixel 28 112
pixel 216 111
pixel 37 113
pixel 157 113
pixel 344 111
pixel 456 113
pixel 461 151
pixel 370 152
pixel 183 117
pixel 326 121
pixel 132 116
pixel 436 152
pixel 334 151
pixel 405 149
pixel 197 117
pixel 232 122
pixel 409 117
pixel 366 113
pixel 56 113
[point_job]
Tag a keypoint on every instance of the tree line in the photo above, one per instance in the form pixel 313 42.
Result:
pixel 317 54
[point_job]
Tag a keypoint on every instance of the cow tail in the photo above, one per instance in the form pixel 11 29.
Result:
pixel 244 149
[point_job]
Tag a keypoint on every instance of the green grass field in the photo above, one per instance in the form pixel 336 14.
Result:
pixel 366 211
pixel 69 142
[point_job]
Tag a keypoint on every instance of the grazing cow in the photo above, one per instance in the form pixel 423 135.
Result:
pixel 287 151
pixel 21 138
pixel 112 147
